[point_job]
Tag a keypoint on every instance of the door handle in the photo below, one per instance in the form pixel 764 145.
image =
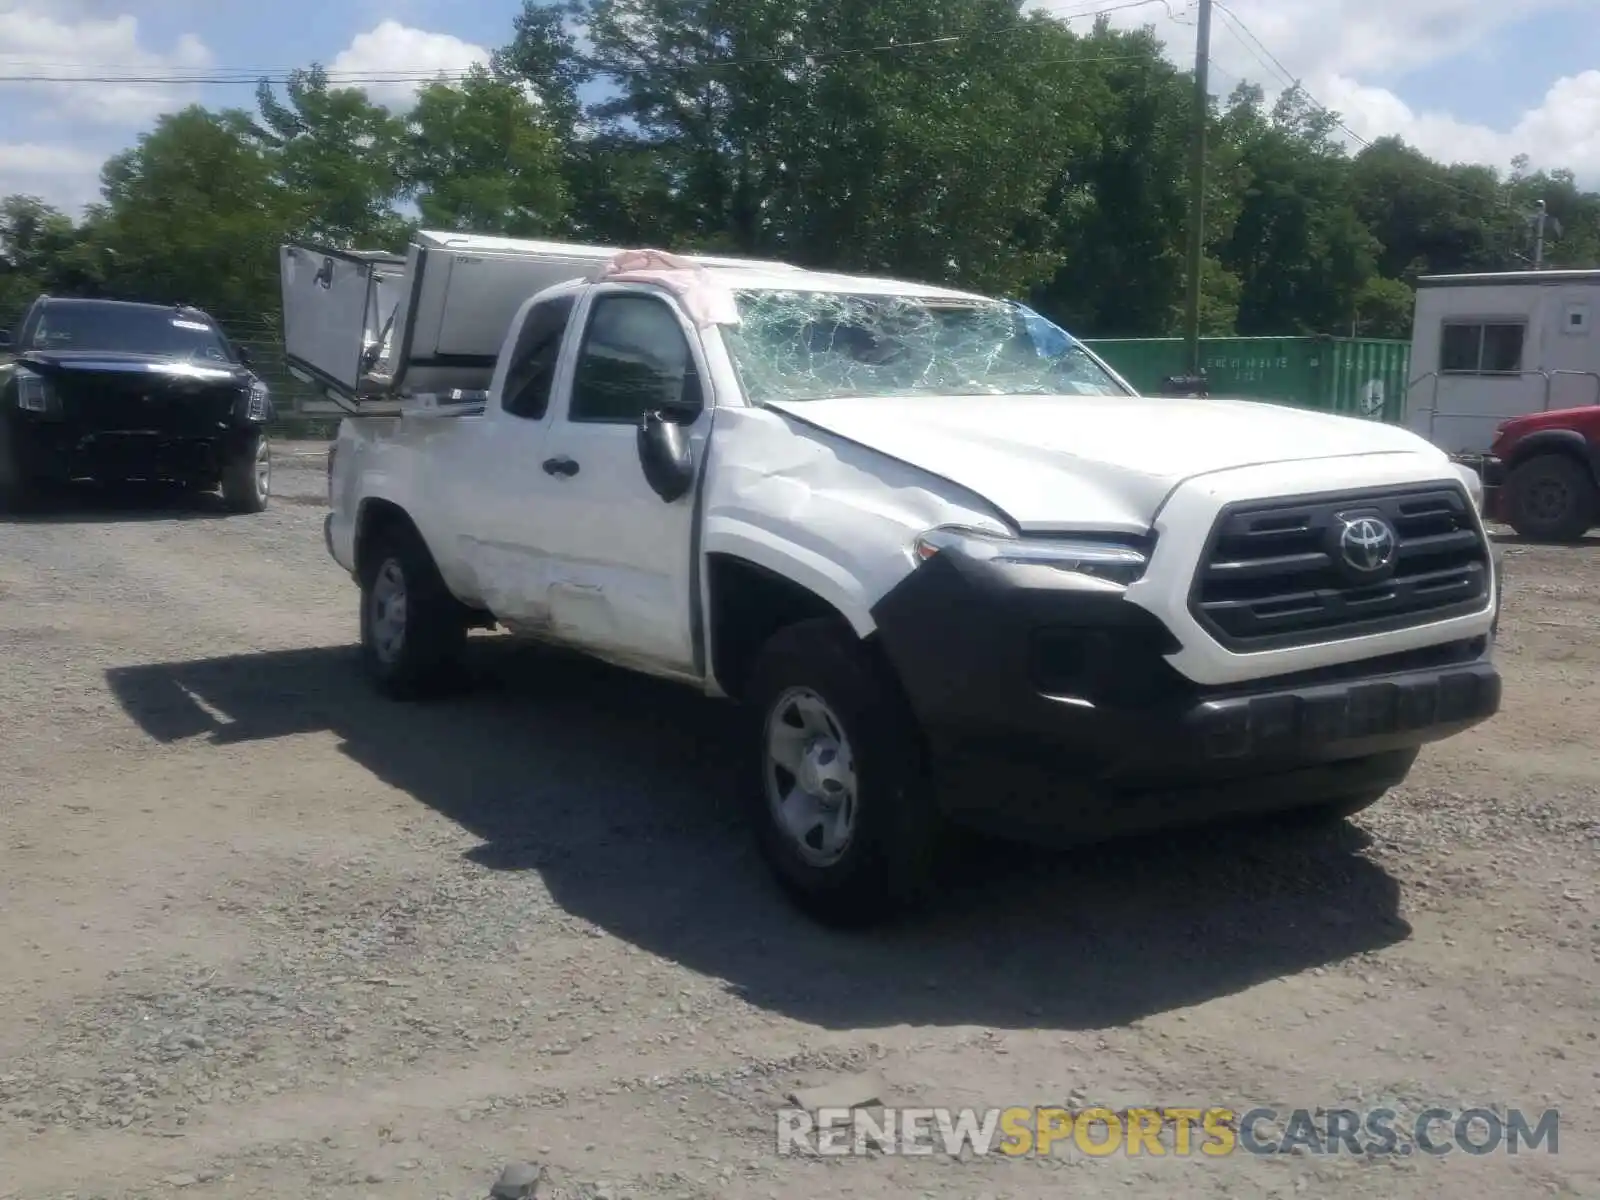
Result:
pixel 562 466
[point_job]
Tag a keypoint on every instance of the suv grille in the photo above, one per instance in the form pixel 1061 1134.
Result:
pixel 111 401
pixel 1281 573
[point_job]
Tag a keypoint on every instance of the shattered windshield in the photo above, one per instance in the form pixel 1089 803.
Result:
pixel 797 345
pixel 114 328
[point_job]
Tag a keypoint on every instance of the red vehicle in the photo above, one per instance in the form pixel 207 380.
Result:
pixel 1542 474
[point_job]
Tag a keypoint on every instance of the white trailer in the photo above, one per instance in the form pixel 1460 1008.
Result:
pixel 1492 346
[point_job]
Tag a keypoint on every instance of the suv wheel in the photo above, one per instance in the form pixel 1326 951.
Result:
pixel 412 629
pixel 247 480
pixel 840 798
pixel 1551 498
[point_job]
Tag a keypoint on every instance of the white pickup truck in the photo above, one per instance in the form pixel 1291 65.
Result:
pixel 954 569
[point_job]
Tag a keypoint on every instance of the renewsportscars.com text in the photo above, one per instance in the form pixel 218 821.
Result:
pixel 1176 1132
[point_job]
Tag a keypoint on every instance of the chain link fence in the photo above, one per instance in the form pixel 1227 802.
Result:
pixel 288 393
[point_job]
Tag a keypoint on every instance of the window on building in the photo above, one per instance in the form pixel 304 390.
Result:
pixel 1481 347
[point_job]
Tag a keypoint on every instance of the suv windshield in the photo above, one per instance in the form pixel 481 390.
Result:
pixel 816 345
pixel 158 331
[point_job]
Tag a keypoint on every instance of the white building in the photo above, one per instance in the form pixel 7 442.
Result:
pixel 1491 346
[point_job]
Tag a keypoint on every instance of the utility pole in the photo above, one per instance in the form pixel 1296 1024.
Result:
pixel 1197 186
pixel 1538 236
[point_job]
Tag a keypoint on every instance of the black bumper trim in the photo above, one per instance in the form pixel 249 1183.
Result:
pixel 55 450
pixel 1343 719
pixel 1115 739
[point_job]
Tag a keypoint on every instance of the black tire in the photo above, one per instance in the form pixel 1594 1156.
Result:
pixel 1551 498
pixel 423 662
pixel 888 860
pixel 247 477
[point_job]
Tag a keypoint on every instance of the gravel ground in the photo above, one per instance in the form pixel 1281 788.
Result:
pixel 262 934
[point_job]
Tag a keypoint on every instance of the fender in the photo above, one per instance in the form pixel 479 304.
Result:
pixel 1556 441
pixel 822 576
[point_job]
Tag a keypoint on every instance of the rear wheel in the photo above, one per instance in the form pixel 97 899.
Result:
pixel 413 631
pixel 1551 498
pixel 839 799
pixel 247 479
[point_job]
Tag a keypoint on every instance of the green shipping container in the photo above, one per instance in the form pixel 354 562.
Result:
pixel 1358 377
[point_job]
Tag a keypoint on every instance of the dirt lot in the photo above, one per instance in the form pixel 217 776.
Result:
pixel 262 934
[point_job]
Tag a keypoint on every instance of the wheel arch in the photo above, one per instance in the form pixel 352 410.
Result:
pixel 374 517
pixel 1568 443
pixel 750 602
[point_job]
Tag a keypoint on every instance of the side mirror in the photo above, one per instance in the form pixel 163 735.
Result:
pixel 246 359
pixel 5 339
pixel 665 455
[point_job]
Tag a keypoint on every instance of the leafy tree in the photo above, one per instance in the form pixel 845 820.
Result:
pixel 1383 308
pixel 194 214
pixel 543 53
pixel 1120 204
pixel 1299 247
pixel 337 159
pixel 481 156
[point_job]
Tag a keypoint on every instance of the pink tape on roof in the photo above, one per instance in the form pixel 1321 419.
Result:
pixel 705 300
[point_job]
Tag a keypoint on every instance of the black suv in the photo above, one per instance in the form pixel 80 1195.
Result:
pixel 116 392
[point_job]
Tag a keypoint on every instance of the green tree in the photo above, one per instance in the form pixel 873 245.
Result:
pixel 1299 248
pixel 1119 209
pixel 41 250
pixel 194 213
pixel 337 160
pixel 481 157
pixel 543 53
pixel 873 137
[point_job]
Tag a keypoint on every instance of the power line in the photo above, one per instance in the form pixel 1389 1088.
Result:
pixel 417 75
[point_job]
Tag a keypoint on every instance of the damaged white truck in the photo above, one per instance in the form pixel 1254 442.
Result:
pixel 955 572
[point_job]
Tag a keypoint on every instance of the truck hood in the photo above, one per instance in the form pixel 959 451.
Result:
pixel 1108 462
pixel 151 367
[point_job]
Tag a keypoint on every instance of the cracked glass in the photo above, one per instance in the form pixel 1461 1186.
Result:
pixel 806 345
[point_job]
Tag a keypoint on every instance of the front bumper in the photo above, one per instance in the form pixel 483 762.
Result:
pixel 55 450
pixel 1049 708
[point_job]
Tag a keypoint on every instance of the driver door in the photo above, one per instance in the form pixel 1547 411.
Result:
pixel 620 558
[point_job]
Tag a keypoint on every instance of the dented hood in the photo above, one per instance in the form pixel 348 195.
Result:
pixel 1078 462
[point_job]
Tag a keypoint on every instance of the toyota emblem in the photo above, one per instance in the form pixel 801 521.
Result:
pixel 1367 544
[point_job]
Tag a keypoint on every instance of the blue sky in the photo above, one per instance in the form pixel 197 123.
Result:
pixel 1461 79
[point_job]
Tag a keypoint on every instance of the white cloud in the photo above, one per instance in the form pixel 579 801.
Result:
pixel 1336 47
pixel 1564 131
pixel 80 56
pixel 60 175
pixel 393 60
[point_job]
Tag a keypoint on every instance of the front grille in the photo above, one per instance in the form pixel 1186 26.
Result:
pixel 116 401
pixel 1281 573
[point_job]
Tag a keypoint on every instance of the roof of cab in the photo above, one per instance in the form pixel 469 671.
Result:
pixel 800 280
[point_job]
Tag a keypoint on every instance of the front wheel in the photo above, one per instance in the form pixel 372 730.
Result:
pixel 840 798
pixel 247 479
pixel 412 630
pixel 1551 498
